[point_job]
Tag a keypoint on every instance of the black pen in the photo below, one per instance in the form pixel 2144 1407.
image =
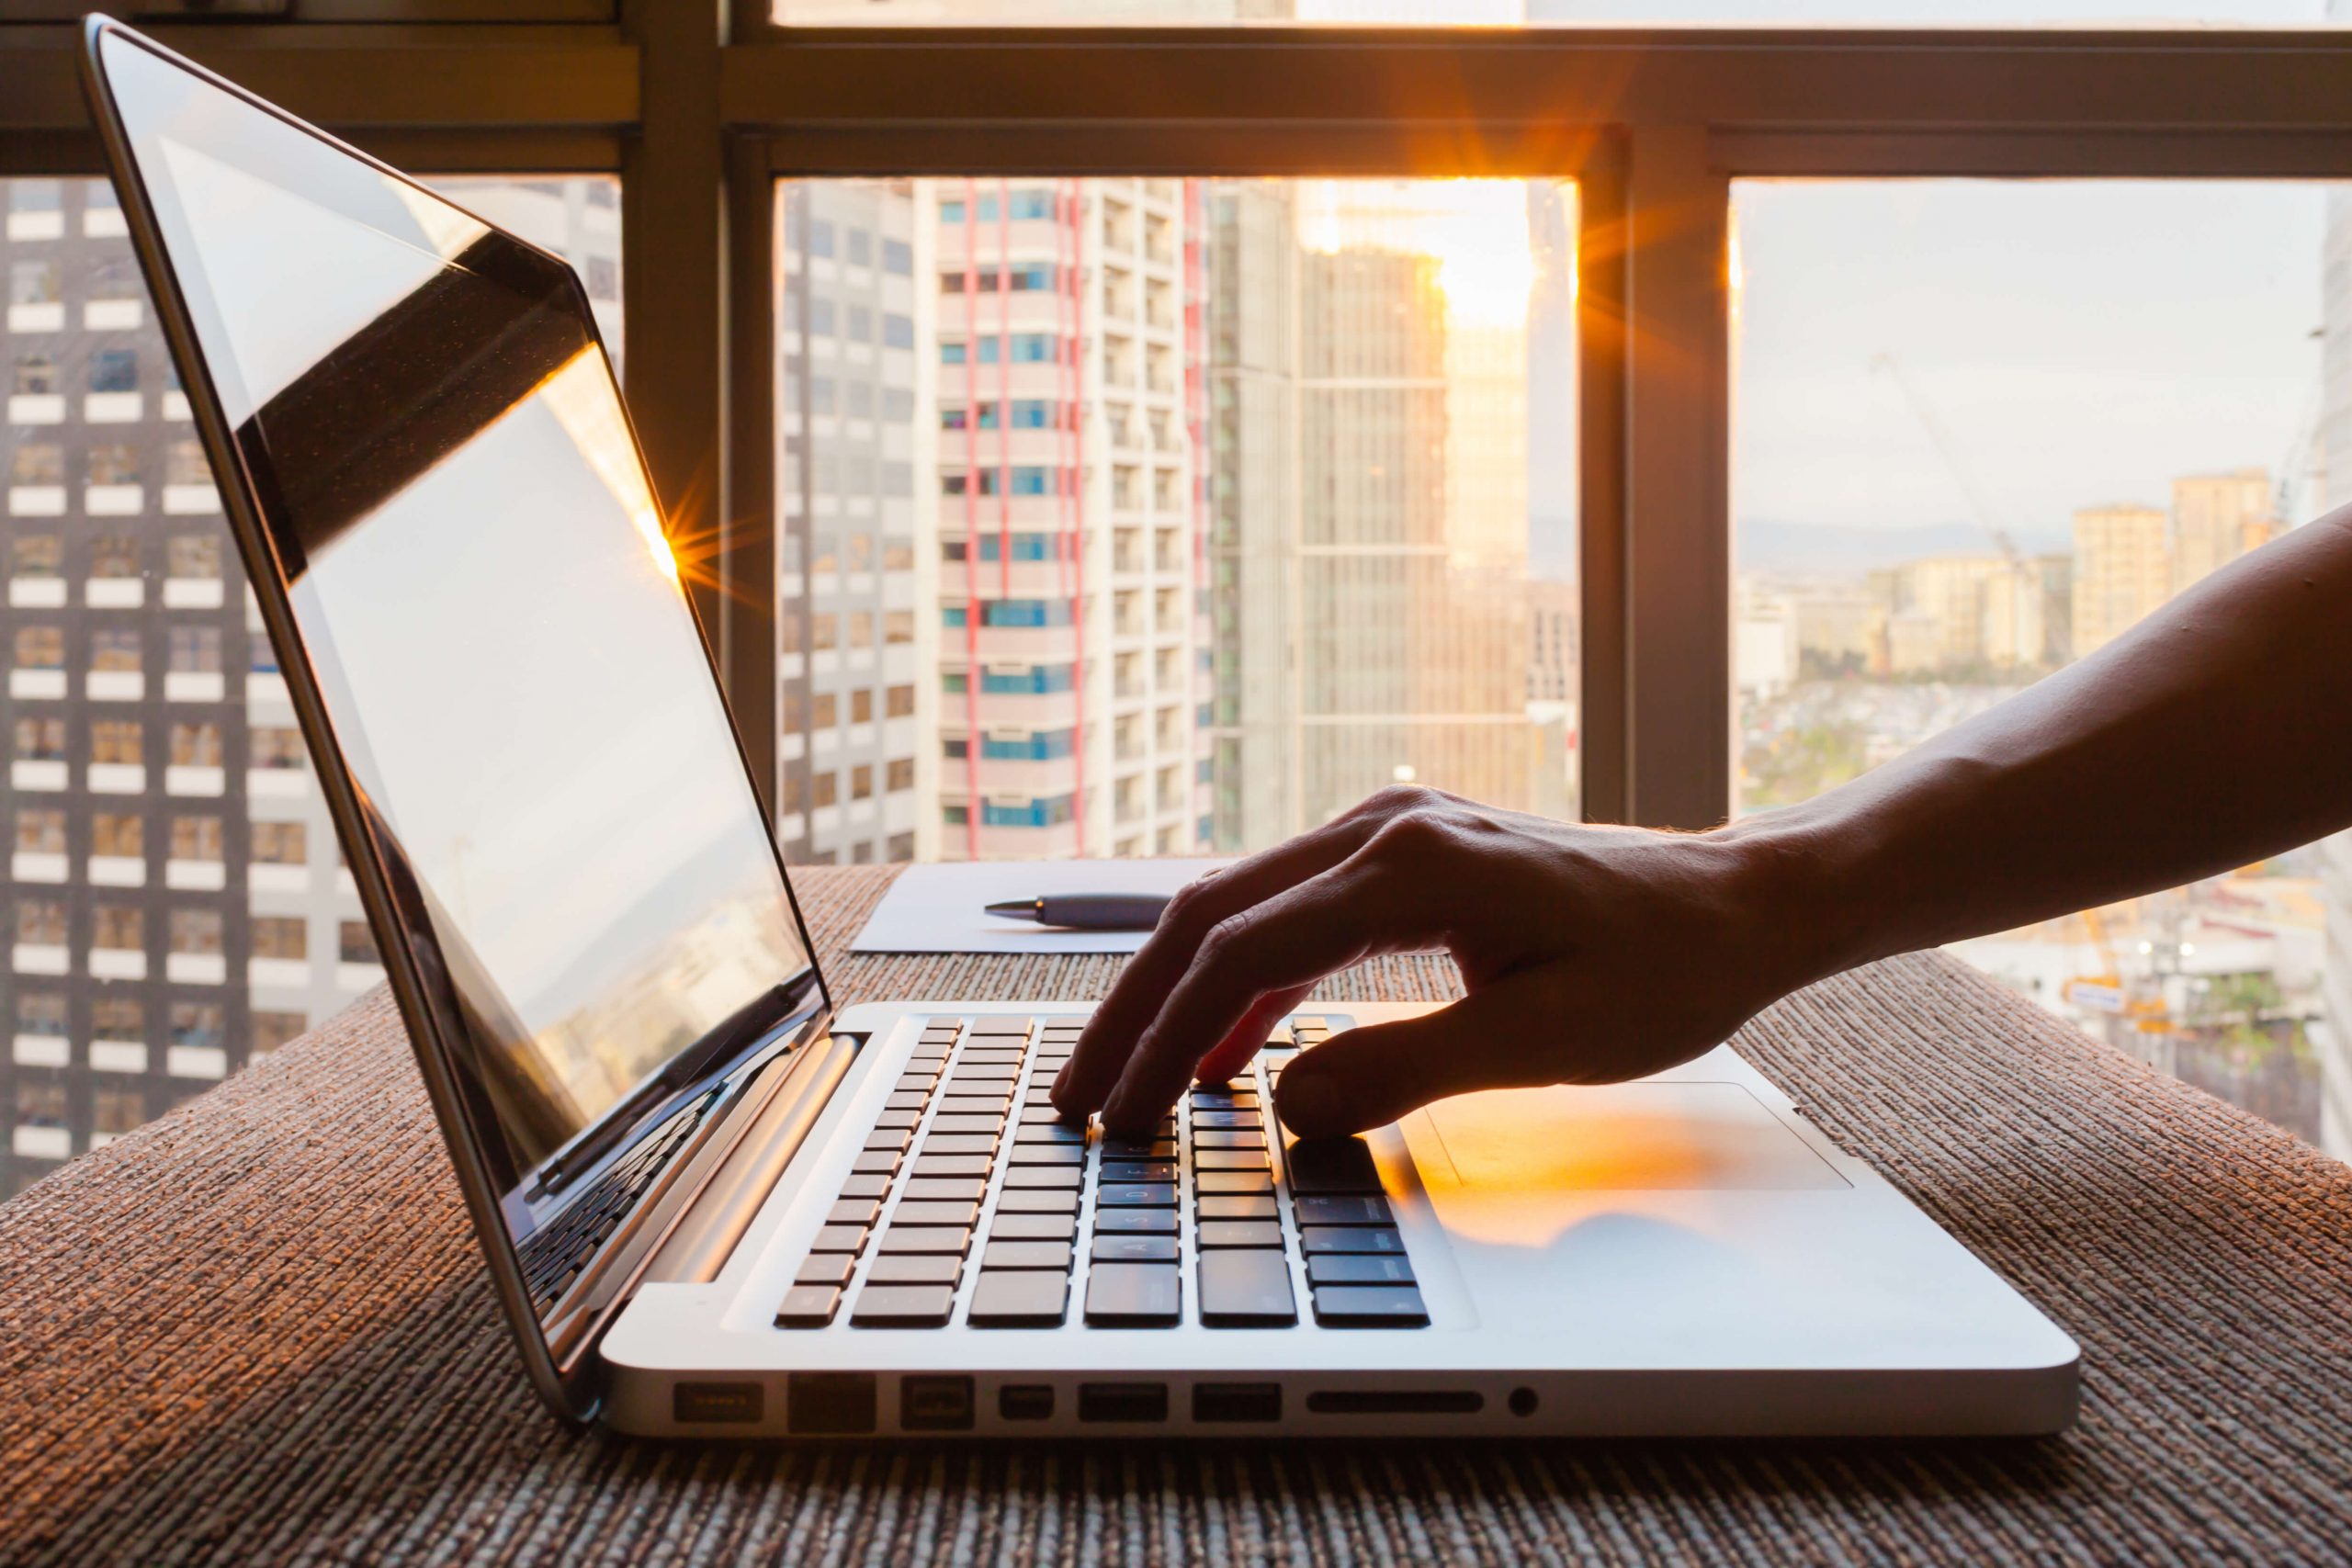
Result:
pixel 1088 912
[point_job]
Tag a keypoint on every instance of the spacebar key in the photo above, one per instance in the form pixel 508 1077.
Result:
pixel 1134 1295
pixel 1246 1288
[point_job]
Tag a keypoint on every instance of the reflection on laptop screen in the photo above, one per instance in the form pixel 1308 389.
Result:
pixel 478 571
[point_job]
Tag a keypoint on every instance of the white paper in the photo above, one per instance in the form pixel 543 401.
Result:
pixel 943 908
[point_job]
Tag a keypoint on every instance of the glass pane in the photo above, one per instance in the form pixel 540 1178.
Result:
pixel 1541 13
pixel 1139 517
pixel 1982 428
pixel 176 900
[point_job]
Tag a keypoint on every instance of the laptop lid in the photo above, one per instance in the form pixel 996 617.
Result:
pixel 454 542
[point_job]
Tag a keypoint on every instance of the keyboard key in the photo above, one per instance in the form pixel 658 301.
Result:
pixel 984 1074
pixel 1241 1233
pixel 1044 1178
pixel 1139 1170
pixel 935 1212
pixel 898 1119
pixel 968 1105
pixel 1135 1249
pixel 1237 1119
pixel 1229 1160
pixel 935 1164
pixel 1050 1133
pixel 1037 1113
pixel 1245 1290
pixel 1035 1202
pixel 1226 1138
pixel 1328 1165
pixel 1134 1222
pixel 840 1238
pixel 916 1269
pixel 1033 1227
pixel 1370 1306
pixel 1137 1195
pixel 858 1212
pixel 867 1185
pixel 1047 1154
pixel 1355 1238
pixel 1258 1208
pixel 888 1137
pixel 902 1306
pixel 906 1102
pixel 981 1144
pixel 809 1306
pixel 1139 1149
pixel 1336 1211
pixel 1019 1298
pixel 881 1162
pixel 1234 1182
pixel 1025 1255
pixel 926 1059
pixel 1225 1099
pixel 1358 1268
pixel 926 1238
pixel 948 1190
pixel 1015 1025
pixel 825 1269
pixel 1134 1295
pixel 916 1083
pixel 959 1121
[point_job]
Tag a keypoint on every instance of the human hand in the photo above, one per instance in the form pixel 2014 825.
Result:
pixel 1589 955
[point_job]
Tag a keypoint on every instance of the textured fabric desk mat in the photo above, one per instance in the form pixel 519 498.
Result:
pixel 256 1331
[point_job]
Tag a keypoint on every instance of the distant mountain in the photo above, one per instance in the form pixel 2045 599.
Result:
pixel 1827 550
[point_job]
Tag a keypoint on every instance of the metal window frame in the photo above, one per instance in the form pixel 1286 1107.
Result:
pixel 700 108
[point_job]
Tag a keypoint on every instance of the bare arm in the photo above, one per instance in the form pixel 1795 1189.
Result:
pixel 2216 732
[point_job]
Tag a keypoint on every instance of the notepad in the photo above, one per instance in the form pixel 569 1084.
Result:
pixel 941 908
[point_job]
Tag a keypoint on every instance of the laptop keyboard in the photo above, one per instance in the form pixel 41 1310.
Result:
pixel 973 1203
pixel 553 1257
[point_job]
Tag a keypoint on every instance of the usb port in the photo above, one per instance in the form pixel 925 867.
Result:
pixel 1238 1402
pixel 1123 1402
pixel 936 1405
pixel 1025 1402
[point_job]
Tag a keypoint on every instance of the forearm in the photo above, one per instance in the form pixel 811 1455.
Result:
pixel 2216 732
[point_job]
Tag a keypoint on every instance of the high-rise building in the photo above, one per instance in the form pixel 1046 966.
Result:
pixel 856 499
pixel 174 896
pixel 2334 440
pixel 2217 518
pixel 2122 571
pixel 1073 657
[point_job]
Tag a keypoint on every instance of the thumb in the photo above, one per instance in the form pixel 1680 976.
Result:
pixel 1371 1075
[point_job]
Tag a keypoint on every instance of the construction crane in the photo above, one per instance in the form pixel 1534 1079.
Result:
pixel 1988 515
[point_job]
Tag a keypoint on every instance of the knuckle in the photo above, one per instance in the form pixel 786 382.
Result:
pixel 1401 800
pixel 1413 837
pixel 1188 910
pixel 1227 943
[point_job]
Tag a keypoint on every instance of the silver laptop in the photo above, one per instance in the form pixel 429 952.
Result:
pixel 715 1202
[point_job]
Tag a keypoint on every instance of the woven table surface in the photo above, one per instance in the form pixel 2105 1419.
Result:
pixel 258 1330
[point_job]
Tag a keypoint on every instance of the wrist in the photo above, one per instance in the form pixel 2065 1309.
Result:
pixel 1799 877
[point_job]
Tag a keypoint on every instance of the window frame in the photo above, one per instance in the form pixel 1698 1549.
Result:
pixel 700 109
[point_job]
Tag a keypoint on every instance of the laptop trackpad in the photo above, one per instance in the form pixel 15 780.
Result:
pixel 1630 1137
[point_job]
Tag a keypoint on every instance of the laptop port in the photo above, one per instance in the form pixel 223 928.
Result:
pixel 1123 1402
pixel 828 1405
pixel 714 1402
pixel 1025 1402
pixel 1238 1402
pixel 1396 1402
pixel 936 1405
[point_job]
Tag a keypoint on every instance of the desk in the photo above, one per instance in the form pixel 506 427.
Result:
pixel 257 1330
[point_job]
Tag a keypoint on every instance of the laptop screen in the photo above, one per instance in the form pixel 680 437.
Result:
pixel 495 621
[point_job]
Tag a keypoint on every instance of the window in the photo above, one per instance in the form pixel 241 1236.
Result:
pixel 40 648
pixel 115 650
pixel 1041 746
pixel 113 463
pixel 825 710
pixel 198 1024
pixel 114 370
pixel 37 555
pixel 277 747
pixel 41 1101
pixel 356 944
pixel 114 555
pixel 41 1012
pixel 120 834
pixel 41 922
pixel 183 464
pixel 117 1017
pixel 120 742
pixel 280 936
pixel 1028 678
pixel 119 927
pixel 1046 813
pixel 824 789
pixel 861 707
pixel 198 745
pixel 861 782
pixel 35 195
pixel 36 374
pixel 37 463
pixel 899 701
pixel 33 283
pixel 195 932
pixel 1024 612
pixel 902 776
pixel 195 650
pixel 117 1105
pixel 272 1030
pixel 197 837
pixel 41 832
pixel 197 555
pixel 261 654
pixel 280 843
pixel 40 740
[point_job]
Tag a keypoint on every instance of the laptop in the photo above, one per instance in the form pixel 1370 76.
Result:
pixel 714 1200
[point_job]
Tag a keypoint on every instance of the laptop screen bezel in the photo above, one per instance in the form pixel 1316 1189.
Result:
pixel 565 1379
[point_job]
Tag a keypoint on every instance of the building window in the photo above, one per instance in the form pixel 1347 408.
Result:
pixel 195 932
pixel 117 1017
pixel 40 740
pixel 117 1105
pixel 118 743
pixel 121 835
pixel 199 1024
pixel 277 748
pixel 861 782
pixel 861 628
pixel 183 464
pixel 40 648
pixel 41 832
pixel 825 711
pixel 114 463
pixel 272 1030
pixel 954 748
pixel 116 278
pixel 280 936
pixel 282 843
pixel 954 815
pixel 197 837
pixel 196 556
pixel 898 258
pixel 261 657
pixel 860 707
pixel 824 789
pixel 902 775
pixel 824 630
pixel 114 370
pixel 197 745
pixel 41 1012
pixel 41 922
pixel 899 701
pixel 36 374
pixel 114 555
pixel 120 928
pixel 34 283
pixel 357 944
pixel 37 555
pixel 41 1101
pixel 195 650
pixel 115 650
